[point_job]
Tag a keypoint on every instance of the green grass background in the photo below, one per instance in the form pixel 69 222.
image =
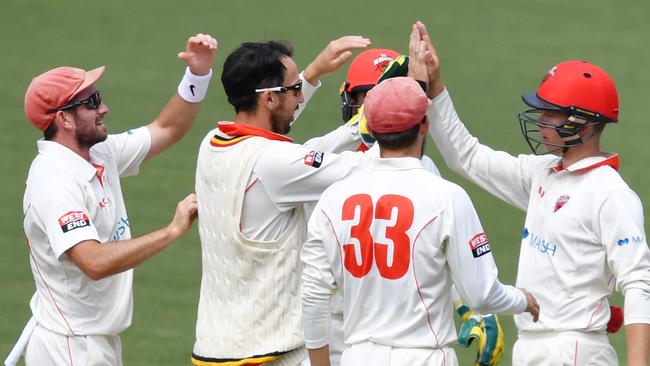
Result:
pixel 491 52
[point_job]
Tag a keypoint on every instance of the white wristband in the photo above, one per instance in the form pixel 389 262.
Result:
pixel 193 88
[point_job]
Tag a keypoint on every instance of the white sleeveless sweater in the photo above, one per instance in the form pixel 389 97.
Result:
pixel 250 290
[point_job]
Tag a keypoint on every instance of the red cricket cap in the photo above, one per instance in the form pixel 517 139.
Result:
pixel 395 105
pixel 55 88
pixel 367 68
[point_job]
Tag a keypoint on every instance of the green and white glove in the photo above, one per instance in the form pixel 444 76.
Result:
pixel 484 328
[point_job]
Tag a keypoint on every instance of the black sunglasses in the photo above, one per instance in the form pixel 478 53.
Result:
pixel 296 88
pixel 92 102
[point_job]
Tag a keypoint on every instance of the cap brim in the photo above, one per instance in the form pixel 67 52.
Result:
pixel 534 101
pixel 91 78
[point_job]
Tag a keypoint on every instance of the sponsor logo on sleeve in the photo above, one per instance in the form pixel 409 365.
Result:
pixel 635 239
pixel 314 158
pixel 73 220
pixel 479 245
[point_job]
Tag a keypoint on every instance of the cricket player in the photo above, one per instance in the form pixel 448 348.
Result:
pixel 393 238
pixel 252 184
pixel 366 70
pixel 75 220
pixel 584 225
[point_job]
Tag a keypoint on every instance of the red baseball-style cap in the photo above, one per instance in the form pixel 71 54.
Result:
pixel 395 105
pixel 54 89
pixel 367 68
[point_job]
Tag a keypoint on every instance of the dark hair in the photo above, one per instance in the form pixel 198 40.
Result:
pixel 397 140
pixel 50 131
pixel 252 66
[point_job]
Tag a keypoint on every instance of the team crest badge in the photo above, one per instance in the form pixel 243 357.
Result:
pixel 561 202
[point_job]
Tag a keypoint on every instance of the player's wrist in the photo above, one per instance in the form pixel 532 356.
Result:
pixel 193 88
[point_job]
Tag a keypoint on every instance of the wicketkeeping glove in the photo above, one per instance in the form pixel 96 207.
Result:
pixel 484 328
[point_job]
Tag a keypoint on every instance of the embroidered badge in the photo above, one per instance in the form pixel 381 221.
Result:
pixel 314 158
pixel 73 220
pixel 561 202
pixel 479 244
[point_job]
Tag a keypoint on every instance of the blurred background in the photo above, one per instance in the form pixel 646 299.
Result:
pixel 491 52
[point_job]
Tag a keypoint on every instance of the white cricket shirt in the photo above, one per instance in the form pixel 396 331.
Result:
pixel 392 239
pixel 583 228
pixel 69 200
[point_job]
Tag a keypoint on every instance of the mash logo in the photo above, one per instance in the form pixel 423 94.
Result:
pixel 314 158
pixel 73 220
pixel 479 245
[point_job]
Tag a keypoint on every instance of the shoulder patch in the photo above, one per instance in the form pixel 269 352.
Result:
pixel 479 244
pixel 314 158
pixel 73 220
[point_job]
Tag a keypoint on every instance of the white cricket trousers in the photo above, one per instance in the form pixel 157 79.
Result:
pixel 373 354
pixel 48 348
pixel 570 348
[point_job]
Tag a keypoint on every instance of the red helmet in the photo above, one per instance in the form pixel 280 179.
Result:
pixel 364 72
pixel 578 88
pixel 367 68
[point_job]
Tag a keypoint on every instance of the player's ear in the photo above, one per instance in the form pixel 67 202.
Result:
pixel 63 120
pixel 270 100
pixel 424 126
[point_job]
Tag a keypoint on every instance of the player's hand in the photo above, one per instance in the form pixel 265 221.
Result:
pixel 436 86
pixel 484 328
pixel 186 213
pixel 199 53
pixel 532 306
pixel 333 57
pixel 417 52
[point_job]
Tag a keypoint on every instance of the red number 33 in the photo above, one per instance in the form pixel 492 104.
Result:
pixel 378 252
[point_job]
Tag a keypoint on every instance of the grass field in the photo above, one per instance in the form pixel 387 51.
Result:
pixel 491 52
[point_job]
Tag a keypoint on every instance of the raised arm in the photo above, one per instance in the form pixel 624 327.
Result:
pixel 177 116
pixel 333 57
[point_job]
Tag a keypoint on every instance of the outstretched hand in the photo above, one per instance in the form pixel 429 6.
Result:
pixel 199 53
pixel 436 86
pixel 333 57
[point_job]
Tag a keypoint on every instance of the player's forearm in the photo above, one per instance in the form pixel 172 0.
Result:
pixel 320 356
pixel 99 261
pixel 638 344
pixel 180 111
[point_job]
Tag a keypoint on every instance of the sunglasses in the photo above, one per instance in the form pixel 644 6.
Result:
pixel 92 102
pixel 296 88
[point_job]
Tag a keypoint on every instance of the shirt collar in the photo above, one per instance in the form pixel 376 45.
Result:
pixel 404 163
pixel 67 159
pixel 240 129
pixel 589 163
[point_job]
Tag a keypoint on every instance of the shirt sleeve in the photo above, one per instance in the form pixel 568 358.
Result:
pixel 472 266
pixel 503 175
pixel 129 149
pixel 65 216
pixel 344 138
pixel 293 174
pixel 318 284
pixel 308 91
pixel 621 224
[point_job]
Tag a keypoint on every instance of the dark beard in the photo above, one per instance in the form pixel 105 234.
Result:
pixel 279 126
pixel 88 140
